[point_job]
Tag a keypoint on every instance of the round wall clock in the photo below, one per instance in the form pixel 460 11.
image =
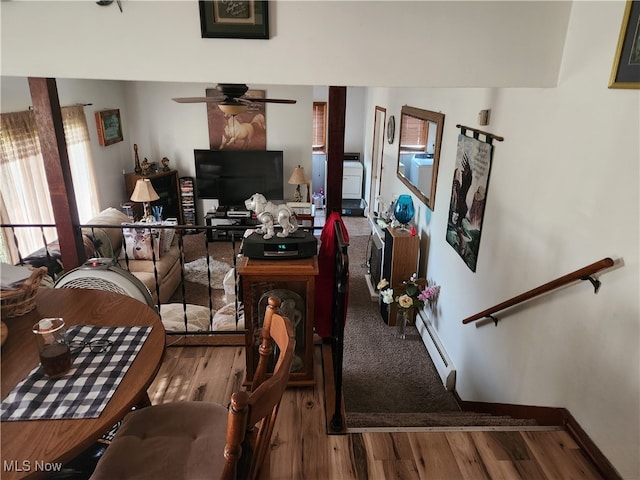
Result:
pixel 391 128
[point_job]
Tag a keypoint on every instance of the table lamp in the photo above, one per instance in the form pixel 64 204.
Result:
pixel 144 193
pixel 298 178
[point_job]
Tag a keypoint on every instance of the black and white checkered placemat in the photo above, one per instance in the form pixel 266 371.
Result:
pixel 86 389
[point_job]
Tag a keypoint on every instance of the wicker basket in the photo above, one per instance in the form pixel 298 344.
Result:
pixel 18 302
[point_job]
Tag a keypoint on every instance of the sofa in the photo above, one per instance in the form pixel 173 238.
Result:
pixel 110 241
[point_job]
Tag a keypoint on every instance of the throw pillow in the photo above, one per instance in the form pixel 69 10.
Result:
pixel 139 244
pixel 173 317
pixel 225 318
pixel 229 285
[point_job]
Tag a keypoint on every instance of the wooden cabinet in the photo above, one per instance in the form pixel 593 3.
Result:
pixel 293 281
pixel 167 185
pixel 400 261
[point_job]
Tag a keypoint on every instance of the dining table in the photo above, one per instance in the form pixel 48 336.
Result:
pixel 36 447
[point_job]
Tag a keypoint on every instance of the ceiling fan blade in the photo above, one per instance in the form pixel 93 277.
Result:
pixel 220 99
pixel 271 100
pixel 198 99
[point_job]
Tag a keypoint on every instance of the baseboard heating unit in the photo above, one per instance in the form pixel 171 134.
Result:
pixel 373 293
pixel 438 355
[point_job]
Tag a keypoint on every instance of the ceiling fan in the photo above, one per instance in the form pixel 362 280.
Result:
pixel 231 98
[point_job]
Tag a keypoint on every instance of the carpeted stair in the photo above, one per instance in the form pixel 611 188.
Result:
pixel 388 382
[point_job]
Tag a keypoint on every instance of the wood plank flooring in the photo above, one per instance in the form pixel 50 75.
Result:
pixel 301 449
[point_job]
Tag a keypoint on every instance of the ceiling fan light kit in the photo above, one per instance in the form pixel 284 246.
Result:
pixel 232 108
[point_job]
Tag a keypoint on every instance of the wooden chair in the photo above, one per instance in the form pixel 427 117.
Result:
pixel 202 440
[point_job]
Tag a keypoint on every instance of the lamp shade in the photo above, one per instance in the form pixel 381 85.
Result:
pixel 234 108
pixel 144 191
pixel 297 177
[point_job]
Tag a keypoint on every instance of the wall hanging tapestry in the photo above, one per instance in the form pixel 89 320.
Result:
pixel 244 131
pixel 468 194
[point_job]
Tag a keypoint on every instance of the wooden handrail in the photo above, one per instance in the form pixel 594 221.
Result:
pixel 581 274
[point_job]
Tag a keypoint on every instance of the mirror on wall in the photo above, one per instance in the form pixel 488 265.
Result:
pixel 419 152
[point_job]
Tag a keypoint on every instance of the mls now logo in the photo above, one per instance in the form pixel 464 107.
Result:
pixel 29 466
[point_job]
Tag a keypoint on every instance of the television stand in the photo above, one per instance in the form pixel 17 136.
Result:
pixel 227 226
pixel 232 213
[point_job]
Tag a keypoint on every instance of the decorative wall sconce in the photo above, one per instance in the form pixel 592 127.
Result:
pixel 483 117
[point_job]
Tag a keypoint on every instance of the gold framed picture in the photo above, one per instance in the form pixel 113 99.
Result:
pixel 626 65
pixel 109 127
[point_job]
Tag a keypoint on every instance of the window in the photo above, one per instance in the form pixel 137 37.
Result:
pixel 414 134
pixel 24 193
pixel 319 127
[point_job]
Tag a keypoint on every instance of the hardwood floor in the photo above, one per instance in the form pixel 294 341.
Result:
pixel 303 450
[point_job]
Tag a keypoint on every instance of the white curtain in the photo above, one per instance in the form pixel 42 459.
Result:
pixel 24 190
pixel 76 134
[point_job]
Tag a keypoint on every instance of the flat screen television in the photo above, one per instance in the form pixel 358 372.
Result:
pixel 232 176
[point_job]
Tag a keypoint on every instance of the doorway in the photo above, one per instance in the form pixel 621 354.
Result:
pixel 375 180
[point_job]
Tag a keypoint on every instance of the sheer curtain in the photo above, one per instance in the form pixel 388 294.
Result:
pixel 24 192
pixel 76 134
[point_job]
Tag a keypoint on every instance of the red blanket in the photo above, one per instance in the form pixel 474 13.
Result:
pixel 325 282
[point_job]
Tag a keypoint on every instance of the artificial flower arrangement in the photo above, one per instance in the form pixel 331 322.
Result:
pixel 413 293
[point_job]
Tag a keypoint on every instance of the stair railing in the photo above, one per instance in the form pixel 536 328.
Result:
pixel 584 273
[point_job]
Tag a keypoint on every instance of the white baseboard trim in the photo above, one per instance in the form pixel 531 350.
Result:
pixel 441 360
pixel 372 291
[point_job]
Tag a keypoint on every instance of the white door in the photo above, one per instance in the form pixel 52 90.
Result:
pixel 379 122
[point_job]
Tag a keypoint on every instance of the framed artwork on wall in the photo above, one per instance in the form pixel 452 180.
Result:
pixel 109 127
pixel 468 197
pixel 234 19
pixel 244 131
pixel 626 64
pixel 391 129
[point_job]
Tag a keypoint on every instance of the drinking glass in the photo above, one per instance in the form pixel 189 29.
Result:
pixel 53 348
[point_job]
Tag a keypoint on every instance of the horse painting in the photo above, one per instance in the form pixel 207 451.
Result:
pixel 239 134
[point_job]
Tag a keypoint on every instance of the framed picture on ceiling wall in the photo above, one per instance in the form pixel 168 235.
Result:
pixel 626 65
pixel 234 19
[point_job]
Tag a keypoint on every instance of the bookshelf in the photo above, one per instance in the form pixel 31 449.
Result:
pixel 188 201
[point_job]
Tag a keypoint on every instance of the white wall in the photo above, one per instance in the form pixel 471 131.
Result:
pixel 354 117
pixel 563 193
pixel 564 185
pixel 312 43
pixel 162 127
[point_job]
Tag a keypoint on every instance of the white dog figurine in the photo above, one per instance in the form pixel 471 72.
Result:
pixel 268 213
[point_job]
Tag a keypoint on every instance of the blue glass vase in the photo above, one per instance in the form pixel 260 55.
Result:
pixel 403 210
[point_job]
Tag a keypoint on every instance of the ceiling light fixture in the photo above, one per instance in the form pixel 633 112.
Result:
pixel 232 108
